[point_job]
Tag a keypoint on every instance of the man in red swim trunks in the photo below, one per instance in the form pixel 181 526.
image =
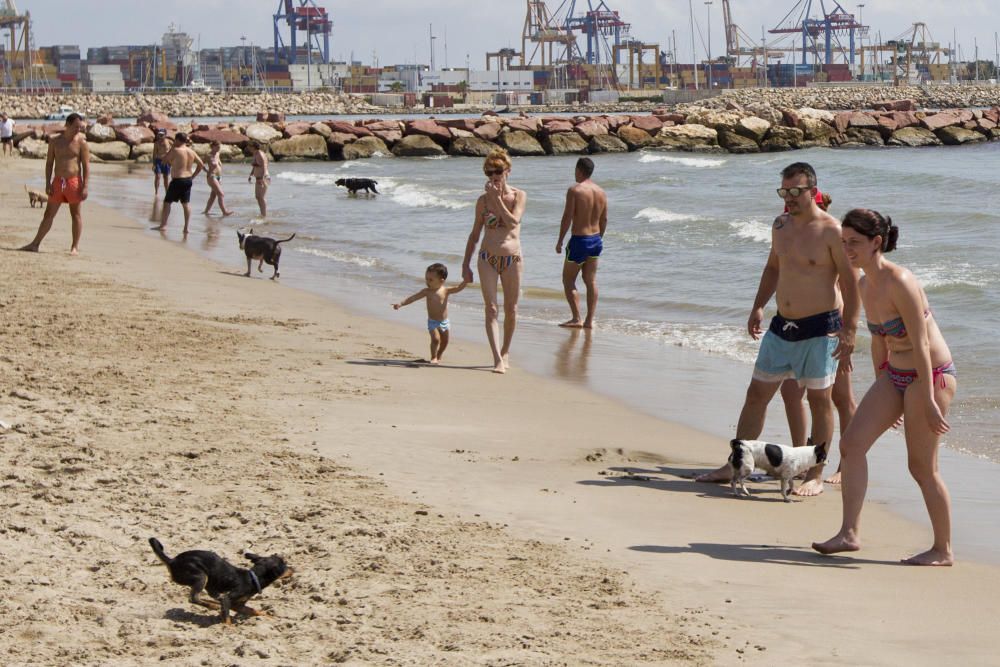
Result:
pixel 67 171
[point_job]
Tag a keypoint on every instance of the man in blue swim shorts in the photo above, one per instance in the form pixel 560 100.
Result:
pixel 808 340
pixel 161 168
pixel 586 212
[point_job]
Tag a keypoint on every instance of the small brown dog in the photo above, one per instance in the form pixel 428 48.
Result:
pixel 36 197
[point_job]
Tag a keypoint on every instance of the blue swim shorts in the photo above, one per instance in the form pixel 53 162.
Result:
pixel 800 349
pixel 442 325
pixel 161 167
pixel 581 248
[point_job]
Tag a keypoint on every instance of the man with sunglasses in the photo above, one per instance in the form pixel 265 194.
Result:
pixel 808 339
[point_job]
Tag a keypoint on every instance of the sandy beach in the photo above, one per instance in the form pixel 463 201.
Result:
pixel 151 392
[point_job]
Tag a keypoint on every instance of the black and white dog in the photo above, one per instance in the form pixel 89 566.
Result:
pixel 353 185
pixel 780 461
pixel 261 248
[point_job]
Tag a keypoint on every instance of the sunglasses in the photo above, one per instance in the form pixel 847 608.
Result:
pixel 494 172
pixel 794 192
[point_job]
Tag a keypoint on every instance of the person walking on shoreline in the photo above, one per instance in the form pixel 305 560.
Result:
pixel 213 176
pixel 67 173
pixel 498 221
pixel 6 134
pixel 161 146
pixel 185 165
pixel 259 171
pixel 914 379
pixel 586 212
pixel 809 338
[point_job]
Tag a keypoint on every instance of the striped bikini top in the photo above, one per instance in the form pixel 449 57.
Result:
pixel 893 327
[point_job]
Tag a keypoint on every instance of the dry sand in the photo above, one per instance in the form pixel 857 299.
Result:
pixel 153 393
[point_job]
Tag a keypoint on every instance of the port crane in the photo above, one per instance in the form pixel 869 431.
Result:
pixel 18 55
pixel 308 17
pixel 829 27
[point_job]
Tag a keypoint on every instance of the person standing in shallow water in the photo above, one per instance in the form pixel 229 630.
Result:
pixel 498 222
pixel 915 379
pixel 586 211
pixel 262 177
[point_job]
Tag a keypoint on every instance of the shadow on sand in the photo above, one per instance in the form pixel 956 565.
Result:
pixel 415 363
pixel 764 553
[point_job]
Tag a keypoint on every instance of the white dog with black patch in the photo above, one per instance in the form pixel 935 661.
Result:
pixel 780 461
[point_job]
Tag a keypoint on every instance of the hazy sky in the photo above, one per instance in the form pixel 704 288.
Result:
pixel 397 30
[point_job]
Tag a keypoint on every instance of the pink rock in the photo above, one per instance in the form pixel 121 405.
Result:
pixel 351 128
pixel 888 123
pixel 154 117
pixel 557 126
pixel 341 139
pixel 225 137
pixel 488 131
pixel 904 119
pixel 842 121
pixel 390 137
pixel 861 119
pixel 589 129
pixel 133 135
pixel 985 124
pixel 790 117
pixel 275 117
pixel 675 118
pixel 529 125
pixel 614 122
pixel 261 117
pixel 429 128
pixel 295 129
pixel 965 115
pixel 380 125
pixel 939 120
pixel 467 124
pixel 650 124
pixel 992 114
pixel 106 119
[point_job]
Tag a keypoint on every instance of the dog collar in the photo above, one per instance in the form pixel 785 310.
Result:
pixel 255 580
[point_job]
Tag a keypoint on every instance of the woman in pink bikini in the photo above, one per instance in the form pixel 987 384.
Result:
pixel 498 221
pixel 915 379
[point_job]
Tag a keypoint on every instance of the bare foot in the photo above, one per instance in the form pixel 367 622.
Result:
pixel 499 368
pixel 723 474
pixel 435 361
pixel 226 214
pixel 160 228
pixel 931 557
pixel 31 247
pixel 812 487
pixel 506 360
pixel 74 251
pixel 572 324
pixel 834 478
pixel 588 324
pixel 205 212
pixel 836 545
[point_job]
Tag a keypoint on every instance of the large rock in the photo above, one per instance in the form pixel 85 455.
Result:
pixel 224 137
pixel 939 120
pixel 861 119
pixel 521 143
pixel 529 125
pixel 557 126
pixel 382 125
pixel 488 131
pixel 365 147
pixel 429 128
pixel 718 120
pixel 417 145
pixel 753 128
pixel 142 150
pixel 33 148
pixel 816 114
pixel 687 137
pixel 111 150
pixel 150 116
pixel 304 146
pixel 781 138
pixel 842 121
pixel 737 143
pixel 589 129
pixel 651 124
pixel 338 139
pixel 322 129
pixel 466 124
pixel 297 128
pixel 815 130
pixel 955 136
pixel 864 135
pixel 263 133
pixel 913 136
pixel 470 147
pixel 367 131
pixel 390 137
pixel 607 143
pixel 133 135
pixel 564 143
pixel 634 137
pixel 99 134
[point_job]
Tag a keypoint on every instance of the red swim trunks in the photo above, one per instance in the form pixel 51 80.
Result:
pixel 67 190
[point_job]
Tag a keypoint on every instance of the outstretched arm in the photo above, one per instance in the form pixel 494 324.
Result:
pixel 422 294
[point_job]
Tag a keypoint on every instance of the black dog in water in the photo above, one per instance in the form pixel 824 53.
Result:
pixel 261 248
pixel 230 585
pixel 353 185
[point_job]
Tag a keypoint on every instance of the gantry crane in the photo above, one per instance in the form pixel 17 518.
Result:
pixel 915 48
pixel 603 26
pixel 545 34
pixel 829 27
pixel 18 56
pixel 306 16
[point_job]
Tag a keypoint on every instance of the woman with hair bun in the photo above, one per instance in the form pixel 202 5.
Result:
pixel 915 379
pixel 498 221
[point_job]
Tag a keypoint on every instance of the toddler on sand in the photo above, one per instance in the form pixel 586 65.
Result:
pixel 437 307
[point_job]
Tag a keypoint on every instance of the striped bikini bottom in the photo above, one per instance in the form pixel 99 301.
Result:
pixel 500 263
pixel 903 378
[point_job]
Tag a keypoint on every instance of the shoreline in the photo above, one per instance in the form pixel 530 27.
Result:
pixel 713 559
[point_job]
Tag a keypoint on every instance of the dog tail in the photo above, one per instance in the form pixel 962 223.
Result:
pixel 286 240
pixel 158 550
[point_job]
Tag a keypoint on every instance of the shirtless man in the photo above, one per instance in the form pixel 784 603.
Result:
pixel 587 212
pixel 258 171
pixel 185 165
pixel 161 146
pixel 67 172
pixel 6 134
pixel 808 338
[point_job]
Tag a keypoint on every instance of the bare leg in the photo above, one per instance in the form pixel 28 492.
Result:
pixel 821 407
pixel 43 228
pixel 165 216
pixel 211 200
pixel 221 196
pixel 511 281
pixel 843 402
pixel 793 394
pixel 570 271
pixel 435 344
pixel 186 207
pixel 922 454
pixel 488 284
pixel 590 280
pixel 751 423
pixel 76 215
pixel 443 346
pixel 260 191
pixel 879 410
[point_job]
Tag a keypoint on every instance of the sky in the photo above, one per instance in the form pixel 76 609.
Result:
pixel 398 31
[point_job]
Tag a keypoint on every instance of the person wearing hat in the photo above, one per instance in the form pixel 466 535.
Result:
pixel 161 146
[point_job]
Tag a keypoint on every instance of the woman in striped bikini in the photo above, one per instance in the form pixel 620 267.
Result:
pixel 915 379
pixel 498 221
